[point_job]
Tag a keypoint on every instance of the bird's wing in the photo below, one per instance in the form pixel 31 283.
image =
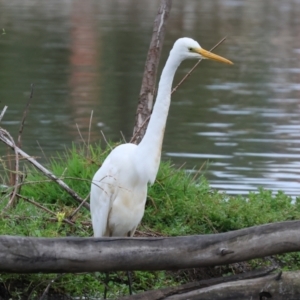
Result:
pixel 102 196
pixel 115 175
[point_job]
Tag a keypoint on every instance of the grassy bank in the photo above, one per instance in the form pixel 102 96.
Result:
pixel 178 204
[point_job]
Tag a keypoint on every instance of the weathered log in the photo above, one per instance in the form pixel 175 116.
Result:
pixel 284 286
pixel 55 255
pixel 164 293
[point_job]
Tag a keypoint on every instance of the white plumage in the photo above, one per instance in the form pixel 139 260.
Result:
pixel 119 187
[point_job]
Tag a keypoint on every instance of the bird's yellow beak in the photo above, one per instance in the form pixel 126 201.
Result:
pixel 209 55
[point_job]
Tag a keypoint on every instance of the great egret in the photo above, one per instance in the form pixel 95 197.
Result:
pixel 119 187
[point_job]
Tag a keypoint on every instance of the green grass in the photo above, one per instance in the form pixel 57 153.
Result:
pixel 177 205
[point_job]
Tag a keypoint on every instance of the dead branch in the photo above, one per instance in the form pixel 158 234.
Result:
pixel 44 295
pixel 15 174
pixel 44 208
pixel 3 112
pixel 194 67
pixel 79 207
pixel 65 255
pixel 24 116
pixel 46 172
pixel 146 98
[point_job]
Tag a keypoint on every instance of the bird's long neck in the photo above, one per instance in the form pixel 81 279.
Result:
pixel 149 149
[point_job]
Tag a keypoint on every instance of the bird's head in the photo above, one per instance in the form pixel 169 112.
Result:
pixel 186 48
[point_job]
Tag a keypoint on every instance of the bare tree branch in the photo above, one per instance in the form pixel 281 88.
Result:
pixel 24 116
pixel 3 112
pixel 194 67
pixel 15 174
pixel 146 98
pixel 46 172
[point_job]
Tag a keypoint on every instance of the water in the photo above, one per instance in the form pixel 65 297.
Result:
pixel 239 123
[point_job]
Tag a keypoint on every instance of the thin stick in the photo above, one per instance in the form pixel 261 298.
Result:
pixel 48 286
pixel 11 202
pixel 139 129
pixel 80 135
pixel 90 125
pixel 46 172
pixel 194 67
pixel 197 173
pixel 78 208
pixel 175 89
pixel 3 112
pixel 24 116
pixel 44 208
pixel 106 140
pixel 46 158
pixel 123 137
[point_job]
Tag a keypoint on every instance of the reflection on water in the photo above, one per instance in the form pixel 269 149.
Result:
pixel 89 55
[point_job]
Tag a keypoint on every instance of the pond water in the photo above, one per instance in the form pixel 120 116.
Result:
pixel 239 123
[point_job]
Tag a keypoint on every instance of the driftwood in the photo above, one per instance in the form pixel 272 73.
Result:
pixel 280 286
pixel 56 255
pixel 184 289
pixel 146 98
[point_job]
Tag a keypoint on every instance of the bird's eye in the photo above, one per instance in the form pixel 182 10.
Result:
pixel 190 49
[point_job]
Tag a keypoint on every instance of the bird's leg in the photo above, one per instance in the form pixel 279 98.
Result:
pixel 129 234
pixel 106 284
pixel 129 282
pixel 107 275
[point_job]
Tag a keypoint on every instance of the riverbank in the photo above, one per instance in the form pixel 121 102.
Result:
pixel 178 204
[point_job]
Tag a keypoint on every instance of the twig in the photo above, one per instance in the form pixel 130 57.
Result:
pixel 123 137
pixel 11 201
pixel 3 112
pixel 139 129
pixel 44 208
pixel 181 167
pixel 89 135
pixel 197 173
pixel 106 140
pixel 153 202
pixel 24 116
pixel 48 286
pixel 42 169
pixel 194 67
pixel 50 219
pixel 80 135
pixel 50 180
pixel 78 208
pixel 174 90
pixel 46 158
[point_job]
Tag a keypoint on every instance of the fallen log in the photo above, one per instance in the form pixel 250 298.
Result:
pixel 280 286
pixel 68 255
pixel 165 293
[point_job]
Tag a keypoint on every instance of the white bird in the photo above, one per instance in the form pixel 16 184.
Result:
pixel 119 187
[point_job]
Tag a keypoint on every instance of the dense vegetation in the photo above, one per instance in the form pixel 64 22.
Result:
pixel 178 204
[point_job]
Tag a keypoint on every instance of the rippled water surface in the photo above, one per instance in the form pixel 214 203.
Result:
pixel 239 123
